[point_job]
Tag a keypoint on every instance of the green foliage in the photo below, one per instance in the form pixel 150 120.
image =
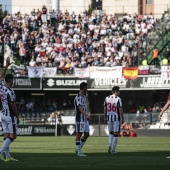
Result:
pixel 2 13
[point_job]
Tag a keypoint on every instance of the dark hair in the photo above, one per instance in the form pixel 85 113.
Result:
pixel 115 89
pixel 82 85
pixel 8 77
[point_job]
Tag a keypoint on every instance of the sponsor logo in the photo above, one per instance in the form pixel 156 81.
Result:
pixel 69 82
pixel 50 82
pixel 155 82
pixel 71 129
pixel 110 82
pixel 44 130
pixel 22 82
pixel 25 131
pixel 36 71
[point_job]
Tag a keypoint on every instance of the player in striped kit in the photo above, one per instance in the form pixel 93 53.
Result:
pixel 113 114
pixel 9 116
pixel 82 119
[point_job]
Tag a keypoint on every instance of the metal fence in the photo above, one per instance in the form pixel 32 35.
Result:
pixel 97 119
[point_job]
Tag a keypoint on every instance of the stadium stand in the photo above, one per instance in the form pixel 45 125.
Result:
pixel 71 40
pixel 79 41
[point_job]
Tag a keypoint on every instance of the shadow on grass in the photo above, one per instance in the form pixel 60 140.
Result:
pixel 122 160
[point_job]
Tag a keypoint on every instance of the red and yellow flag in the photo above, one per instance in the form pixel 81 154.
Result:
pixel 130 72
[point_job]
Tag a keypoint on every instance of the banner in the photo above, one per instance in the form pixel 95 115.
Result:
pixel 49 71
pixel 35 72
pixel 130 73
pixel 26 83
pixel 36 130
pixel 154 69
pixel 19 71
pixel 142 82
pixel 108 83
pixel 143 70
pixel 82 72
pixel 165 71
pixel 106 72
pixel 68 83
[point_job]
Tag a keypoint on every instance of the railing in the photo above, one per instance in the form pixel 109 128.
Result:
pixel 97 119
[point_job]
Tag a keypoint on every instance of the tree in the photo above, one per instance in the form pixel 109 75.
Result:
pixel 2 13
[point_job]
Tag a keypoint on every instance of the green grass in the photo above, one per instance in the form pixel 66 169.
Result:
pixel 48 153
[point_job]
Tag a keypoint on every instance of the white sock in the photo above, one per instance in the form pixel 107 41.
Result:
pixel 7 151
pixel 110 139
pixel 115 143
pixel 78 146
pixel 6 143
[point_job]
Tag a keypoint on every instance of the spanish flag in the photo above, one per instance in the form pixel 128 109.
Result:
pixel 130 73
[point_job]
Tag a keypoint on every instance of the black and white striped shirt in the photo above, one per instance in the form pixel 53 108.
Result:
pixel 80 100
pixel 7 96
pixel 112 104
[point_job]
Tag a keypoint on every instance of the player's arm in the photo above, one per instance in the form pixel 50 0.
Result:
pixel 5 68
pixel 83 112
pixel 121 114
pixel 120 110
pixel 164 109
pixel 14 110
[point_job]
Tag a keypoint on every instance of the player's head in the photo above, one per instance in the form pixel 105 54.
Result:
pixel 115 90
pixel 83 87
pixel 9 79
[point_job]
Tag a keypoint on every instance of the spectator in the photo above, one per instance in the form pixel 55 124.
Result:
pixel 52 119
pixel 59 120
pixel 44 14
pixel 141 108
pixel 53 18
pixel 155 54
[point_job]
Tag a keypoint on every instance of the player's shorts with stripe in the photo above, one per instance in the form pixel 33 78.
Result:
pixel 9 124
pixel 113 126
pixel 82 126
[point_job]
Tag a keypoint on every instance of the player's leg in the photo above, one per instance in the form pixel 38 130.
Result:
pixel 5 130
pixel 10 130
pixel 86 134
pixel 110 129
pixel 79 131
pixel 7 154
pixel 78 142
pixel 116 134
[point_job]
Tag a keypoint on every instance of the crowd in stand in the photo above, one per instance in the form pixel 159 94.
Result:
pixel 69 40
pixel 42 104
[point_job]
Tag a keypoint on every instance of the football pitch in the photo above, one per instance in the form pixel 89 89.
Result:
pixel 48 153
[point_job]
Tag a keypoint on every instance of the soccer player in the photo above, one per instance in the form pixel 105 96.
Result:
pixel 82 119
pixel 112 114
pixel 9 116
